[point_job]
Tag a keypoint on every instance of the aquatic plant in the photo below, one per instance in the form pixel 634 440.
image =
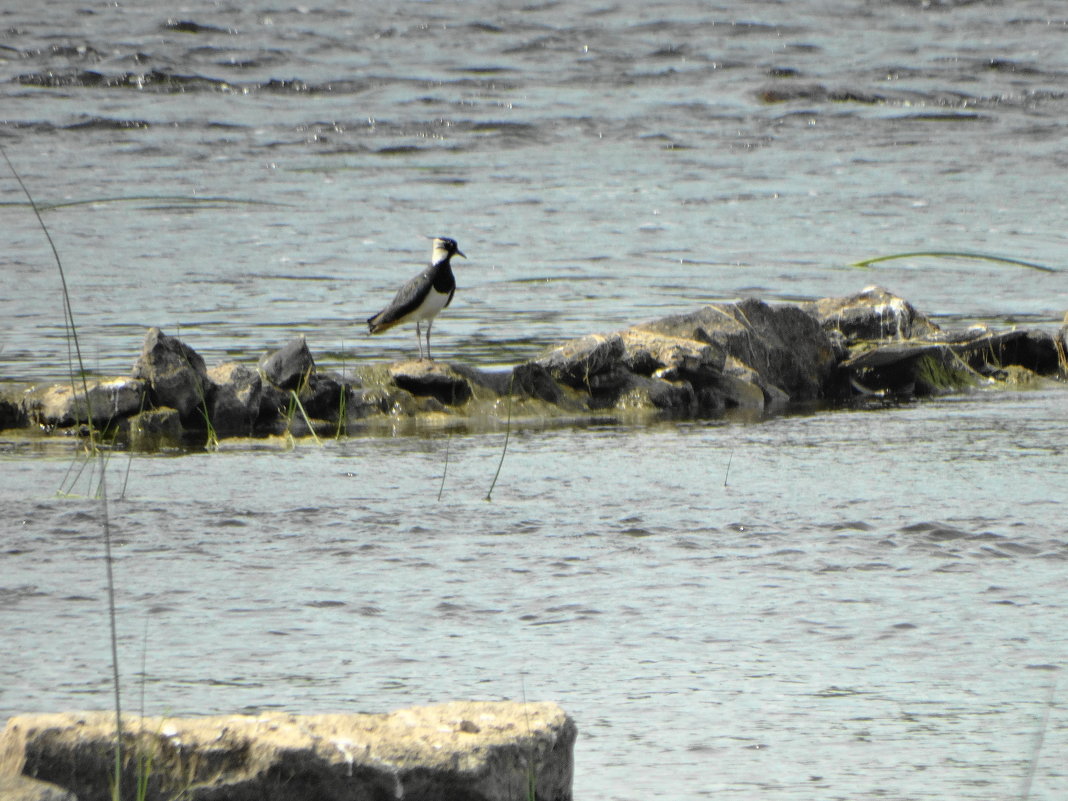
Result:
pixel 956 254
pixel 94 449
pixel 445 470
pixel 507 433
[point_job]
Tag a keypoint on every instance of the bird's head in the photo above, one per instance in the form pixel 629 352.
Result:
pixel 445 248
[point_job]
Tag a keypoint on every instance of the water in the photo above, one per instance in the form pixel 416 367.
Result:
pixel 872 606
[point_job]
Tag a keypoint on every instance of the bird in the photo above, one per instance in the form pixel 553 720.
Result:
pixel 423 296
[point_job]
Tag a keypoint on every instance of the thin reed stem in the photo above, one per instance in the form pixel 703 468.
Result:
pixel 67 311
pixel 446 470
pixel 507 434
pixel 102 484
pixel 955 254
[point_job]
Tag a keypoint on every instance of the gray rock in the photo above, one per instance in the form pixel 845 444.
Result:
pixel 591 362
pixel 289 366
pixel 434 379
pixel 672 358
pixel 906 368
pixel 644 392
pixel 992 351
pixel 109 399
pixel 154 429
pixel 871 314
pixel 322 394
pixel 235 403
pixel 535 381
pixel 12 410
pixel 480 751
pixel 786 346
pixel 23 788
pixel 175 373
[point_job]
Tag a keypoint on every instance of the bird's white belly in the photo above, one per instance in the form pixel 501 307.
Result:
pixel 434 302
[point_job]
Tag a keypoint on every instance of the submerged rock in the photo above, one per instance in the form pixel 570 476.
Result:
pixel 154 429
pixel 480 751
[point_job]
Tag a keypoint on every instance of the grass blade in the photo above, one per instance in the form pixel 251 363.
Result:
pixel 957 254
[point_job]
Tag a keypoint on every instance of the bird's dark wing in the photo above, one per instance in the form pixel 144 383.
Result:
pixel 406 301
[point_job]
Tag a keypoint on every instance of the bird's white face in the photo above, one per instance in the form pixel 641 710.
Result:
pixel 441 251
pixel 443 248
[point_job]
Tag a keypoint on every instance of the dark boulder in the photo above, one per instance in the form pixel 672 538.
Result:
pixel 646 393
pixel 175 374
pixel 905 368
pixel 433 379
pixel 12 412
pixel 323 394
pixel 535 381
pixel 289 366
pixel 593 363
pixel 235 404
pixel 153 429
pixel 872 314
pixel 784 345
pixel 991 351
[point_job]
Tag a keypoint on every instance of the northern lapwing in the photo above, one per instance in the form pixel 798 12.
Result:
pixel 423 296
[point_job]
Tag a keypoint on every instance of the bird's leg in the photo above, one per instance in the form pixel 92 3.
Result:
pixel 428 356
pixel 419 339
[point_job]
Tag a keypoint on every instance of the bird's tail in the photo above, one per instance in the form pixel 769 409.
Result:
pixel 376 324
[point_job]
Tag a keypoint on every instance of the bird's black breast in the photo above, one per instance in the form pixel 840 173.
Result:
pixel 444 281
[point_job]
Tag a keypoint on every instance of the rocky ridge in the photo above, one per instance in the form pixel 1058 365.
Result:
pixel 749 355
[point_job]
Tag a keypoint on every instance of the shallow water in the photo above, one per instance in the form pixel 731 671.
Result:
pixel 871 605
pixel 868 607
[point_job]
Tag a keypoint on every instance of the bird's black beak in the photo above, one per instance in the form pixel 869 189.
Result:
pixel 460 253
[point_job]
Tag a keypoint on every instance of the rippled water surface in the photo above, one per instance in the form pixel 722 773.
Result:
pixel 851 604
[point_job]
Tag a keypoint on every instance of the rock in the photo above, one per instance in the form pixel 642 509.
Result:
pixel 23 788
pixel 909 369
pixel 289 366
pixel 742 387
pixel 322 394
pixel 12 411
pixel 175 373
pixel 671 358
pixel 989 352
pixel 643 392
pixel 155 429
pixel 434 379
pixel 591 362
pixel 783 344
pixel 1061 343
pixel 235 402
pixel 109 399
pixel 873 313
pixel 274 405
pixel 480 751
